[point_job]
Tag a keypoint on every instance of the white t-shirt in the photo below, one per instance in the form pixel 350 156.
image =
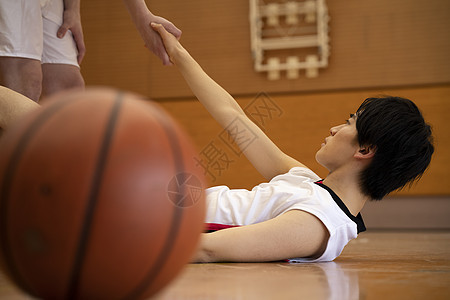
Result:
pixel 298 189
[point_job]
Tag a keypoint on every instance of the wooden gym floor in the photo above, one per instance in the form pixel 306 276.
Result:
pixel 378 265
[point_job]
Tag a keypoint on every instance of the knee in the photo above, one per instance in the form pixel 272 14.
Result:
pixel 32 88
pixel 56 80
pixel 76 82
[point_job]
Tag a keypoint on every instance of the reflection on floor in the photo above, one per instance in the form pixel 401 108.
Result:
pixel 378 265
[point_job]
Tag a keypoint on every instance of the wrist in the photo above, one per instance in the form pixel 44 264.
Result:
pixel 179 56
pixel 138 11
pixel 72 6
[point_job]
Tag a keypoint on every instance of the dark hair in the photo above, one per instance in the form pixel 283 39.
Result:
pixel 403 144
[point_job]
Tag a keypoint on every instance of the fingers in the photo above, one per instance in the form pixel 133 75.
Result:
pixel 62 31
pixel 157 45
pixel 159 28
pixel 81 54
pixel 165 59
pixel 163 33
pixel 161 53
pixel 79 41
pixel 173 30
pixel 78 38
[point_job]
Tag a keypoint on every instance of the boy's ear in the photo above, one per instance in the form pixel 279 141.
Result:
pixel 365 152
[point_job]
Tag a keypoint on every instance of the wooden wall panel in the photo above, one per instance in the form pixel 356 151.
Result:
pixel 115 55
pixel 374 43
pixel 377 46
pixel 303 124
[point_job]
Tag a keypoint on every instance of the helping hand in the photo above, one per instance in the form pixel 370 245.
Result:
pixel 170 42
pixel 153 41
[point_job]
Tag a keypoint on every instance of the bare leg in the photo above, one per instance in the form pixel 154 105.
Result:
pixel 58 77
pixel 13 106
pixel 22 75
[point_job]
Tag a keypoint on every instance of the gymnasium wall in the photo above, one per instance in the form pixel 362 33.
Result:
pixel 377 47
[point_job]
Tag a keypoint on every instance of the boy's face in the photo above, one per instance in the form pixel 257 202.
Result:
pixel 340 147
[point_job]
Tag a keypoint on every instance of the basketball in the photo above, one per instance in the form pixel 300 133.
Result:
pixel 100 197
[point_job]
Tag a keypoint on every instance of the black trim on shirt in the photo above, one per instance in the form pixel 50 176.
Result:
pixel 358 219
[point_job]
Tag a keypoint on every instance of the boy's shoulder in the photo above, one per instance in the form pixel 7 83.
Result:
pixel 298 173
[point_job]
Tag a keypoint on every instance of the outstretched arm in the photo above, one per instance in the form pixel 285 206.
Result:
pixel 142 17
pixel 13 106
pixel 265 156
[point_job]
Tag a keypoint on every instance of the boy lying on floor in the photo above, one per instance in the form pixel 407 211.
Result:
pixel 382 147
pixel 296 215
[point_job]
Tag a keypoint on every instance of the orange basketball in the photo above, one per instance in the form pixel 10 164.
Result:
pixel 100 198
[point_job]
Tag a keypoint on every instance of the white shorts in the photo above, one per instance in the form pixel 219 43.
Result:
pixel 28 29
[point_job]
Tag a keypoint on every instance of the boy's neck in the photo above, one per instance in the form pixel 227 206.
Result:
pixel 348 190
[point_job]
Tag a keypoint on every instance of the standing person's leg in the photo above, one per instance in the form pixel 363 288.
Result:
pixel 59 77
pixel 59 59
pixel 22 75
pixel 21 46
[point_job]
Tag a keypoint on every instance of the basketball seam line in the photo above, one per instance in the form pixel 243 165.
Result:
pixel 176 220
pixel 73 288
